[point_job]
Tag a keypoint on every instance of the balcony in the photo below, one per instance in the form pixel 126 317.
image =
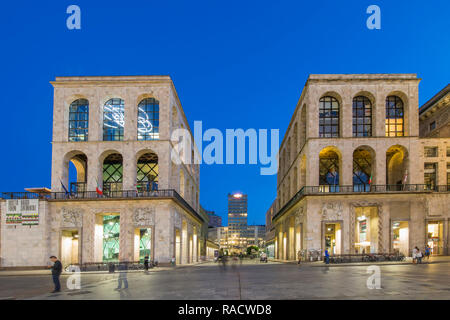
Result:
pixel 110 195
pixel 359 189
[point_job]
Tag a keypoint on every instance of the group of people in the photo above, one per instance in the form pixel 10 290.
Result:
pixel 417 255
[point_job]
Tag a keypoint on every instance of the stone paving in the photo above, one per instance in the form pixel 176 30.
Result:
pixel 251 280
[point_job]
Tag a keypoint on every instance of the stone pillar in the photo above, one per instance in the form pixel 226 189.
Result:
pixel 346 110
pixel 379 115
pixel 130 130
pixel 379 167
pixel 164 162
pixel 312 166
pixel 94 172
pixel 312 115
pixel 163 236
pixel 129 169
pixel 126 236
pixel 346 171
pixel 95 118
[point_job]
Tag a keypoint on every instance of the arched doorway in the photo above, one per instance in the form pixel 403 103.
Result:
pixel 396 167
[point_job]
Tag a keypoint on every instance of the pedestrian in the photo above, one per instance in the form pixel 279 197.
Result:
pixel 123 269
pixel 327 256
pixel 146 263
pixel 414 255
pixel 299 255
pixel 56 272
pixel 419 255
pixel 427 252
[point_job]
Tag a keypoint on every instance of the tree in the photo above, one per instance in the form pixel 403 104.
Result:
pixel 252 249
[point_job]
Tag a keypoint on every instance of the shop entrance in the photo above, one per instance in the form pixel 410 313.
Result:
pixel 333 238
pixel 435 237
pixel 400 237
pixel 69 247
pixel 111 237
pixel 142 244
pixel 366 230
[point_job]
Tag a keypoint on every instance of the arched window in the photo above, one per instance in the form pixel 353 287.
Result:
pixel 112 173
pixel 362 169
pixel 79 120
pixel 113 120
pixel 147 172
pixel 394 117
pixel 329 168
pixel 328 118
pixel 148 119
pixel 362 117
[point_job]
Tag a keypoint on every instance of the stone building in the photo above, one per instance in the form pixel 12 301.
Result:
pixel 354 175
pixel 270 230
pixel 116 193
pixel 435 116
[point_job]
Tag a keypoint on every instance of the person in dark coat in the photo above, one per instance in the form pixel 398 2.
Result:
pixel 56 273
pixel 146 258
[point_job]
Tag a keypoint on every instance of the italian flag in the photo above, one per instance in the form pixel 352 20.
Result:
pixel 98 189
pixel 370 180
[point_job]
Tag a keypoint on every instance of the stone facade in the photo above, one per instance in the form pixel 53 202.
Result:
pixel 171 215
pixel 397 190
pixel 435 116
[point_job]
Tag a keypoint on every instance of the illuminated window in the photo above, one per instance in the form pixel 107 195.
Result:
pixel 79 120
pixel 430 175
pixel 111 235
pixel 431 152
pixel 448 176
pixel 147 172
pixel 394 117
pixel 148 119
pixel 328 118
pixel 362 117
pixel 113 120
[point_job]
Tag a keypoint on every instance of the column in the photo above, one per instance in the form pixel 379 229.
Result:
pixel 346 164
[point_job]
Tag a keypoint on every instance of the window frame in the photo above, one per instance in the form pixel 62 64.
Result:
pixel 326 111
pixel 361 103
pixel 111 133
pixel 72 135
pixel 395 104
pixel 148 111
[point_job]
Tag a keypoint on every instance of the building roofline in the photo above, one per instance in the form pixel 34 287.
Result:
pixel 438 96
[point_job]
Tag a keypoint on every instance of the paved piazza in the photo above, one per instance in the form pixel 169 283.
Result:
pixel 251 280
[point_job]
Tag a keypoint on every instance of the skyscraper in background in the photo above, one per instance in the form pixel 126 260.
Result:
pixel 237 222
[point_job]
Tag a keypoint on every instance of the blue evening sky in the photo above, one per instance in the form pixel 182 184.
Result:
pixel 235 64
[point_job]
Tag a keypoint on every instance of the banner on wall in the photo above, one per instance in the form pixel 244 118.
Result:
pixel 30 212
pixel 22 211
pixel 13 213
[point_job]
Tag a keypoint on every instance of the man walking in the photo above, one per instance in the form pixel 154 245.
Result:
pixel 146 263
pixel 56 272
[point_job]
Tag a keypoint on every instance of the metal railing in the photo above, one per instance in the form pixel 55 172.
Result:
pixel 359 189
pixel 92 195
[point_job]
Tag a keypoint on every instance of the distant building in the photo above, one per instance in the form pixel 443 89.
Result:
pixel 219 236
pixel 256 235
pixel 237 222
pixel 434 116
pixel 270 230
pixel 215 221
